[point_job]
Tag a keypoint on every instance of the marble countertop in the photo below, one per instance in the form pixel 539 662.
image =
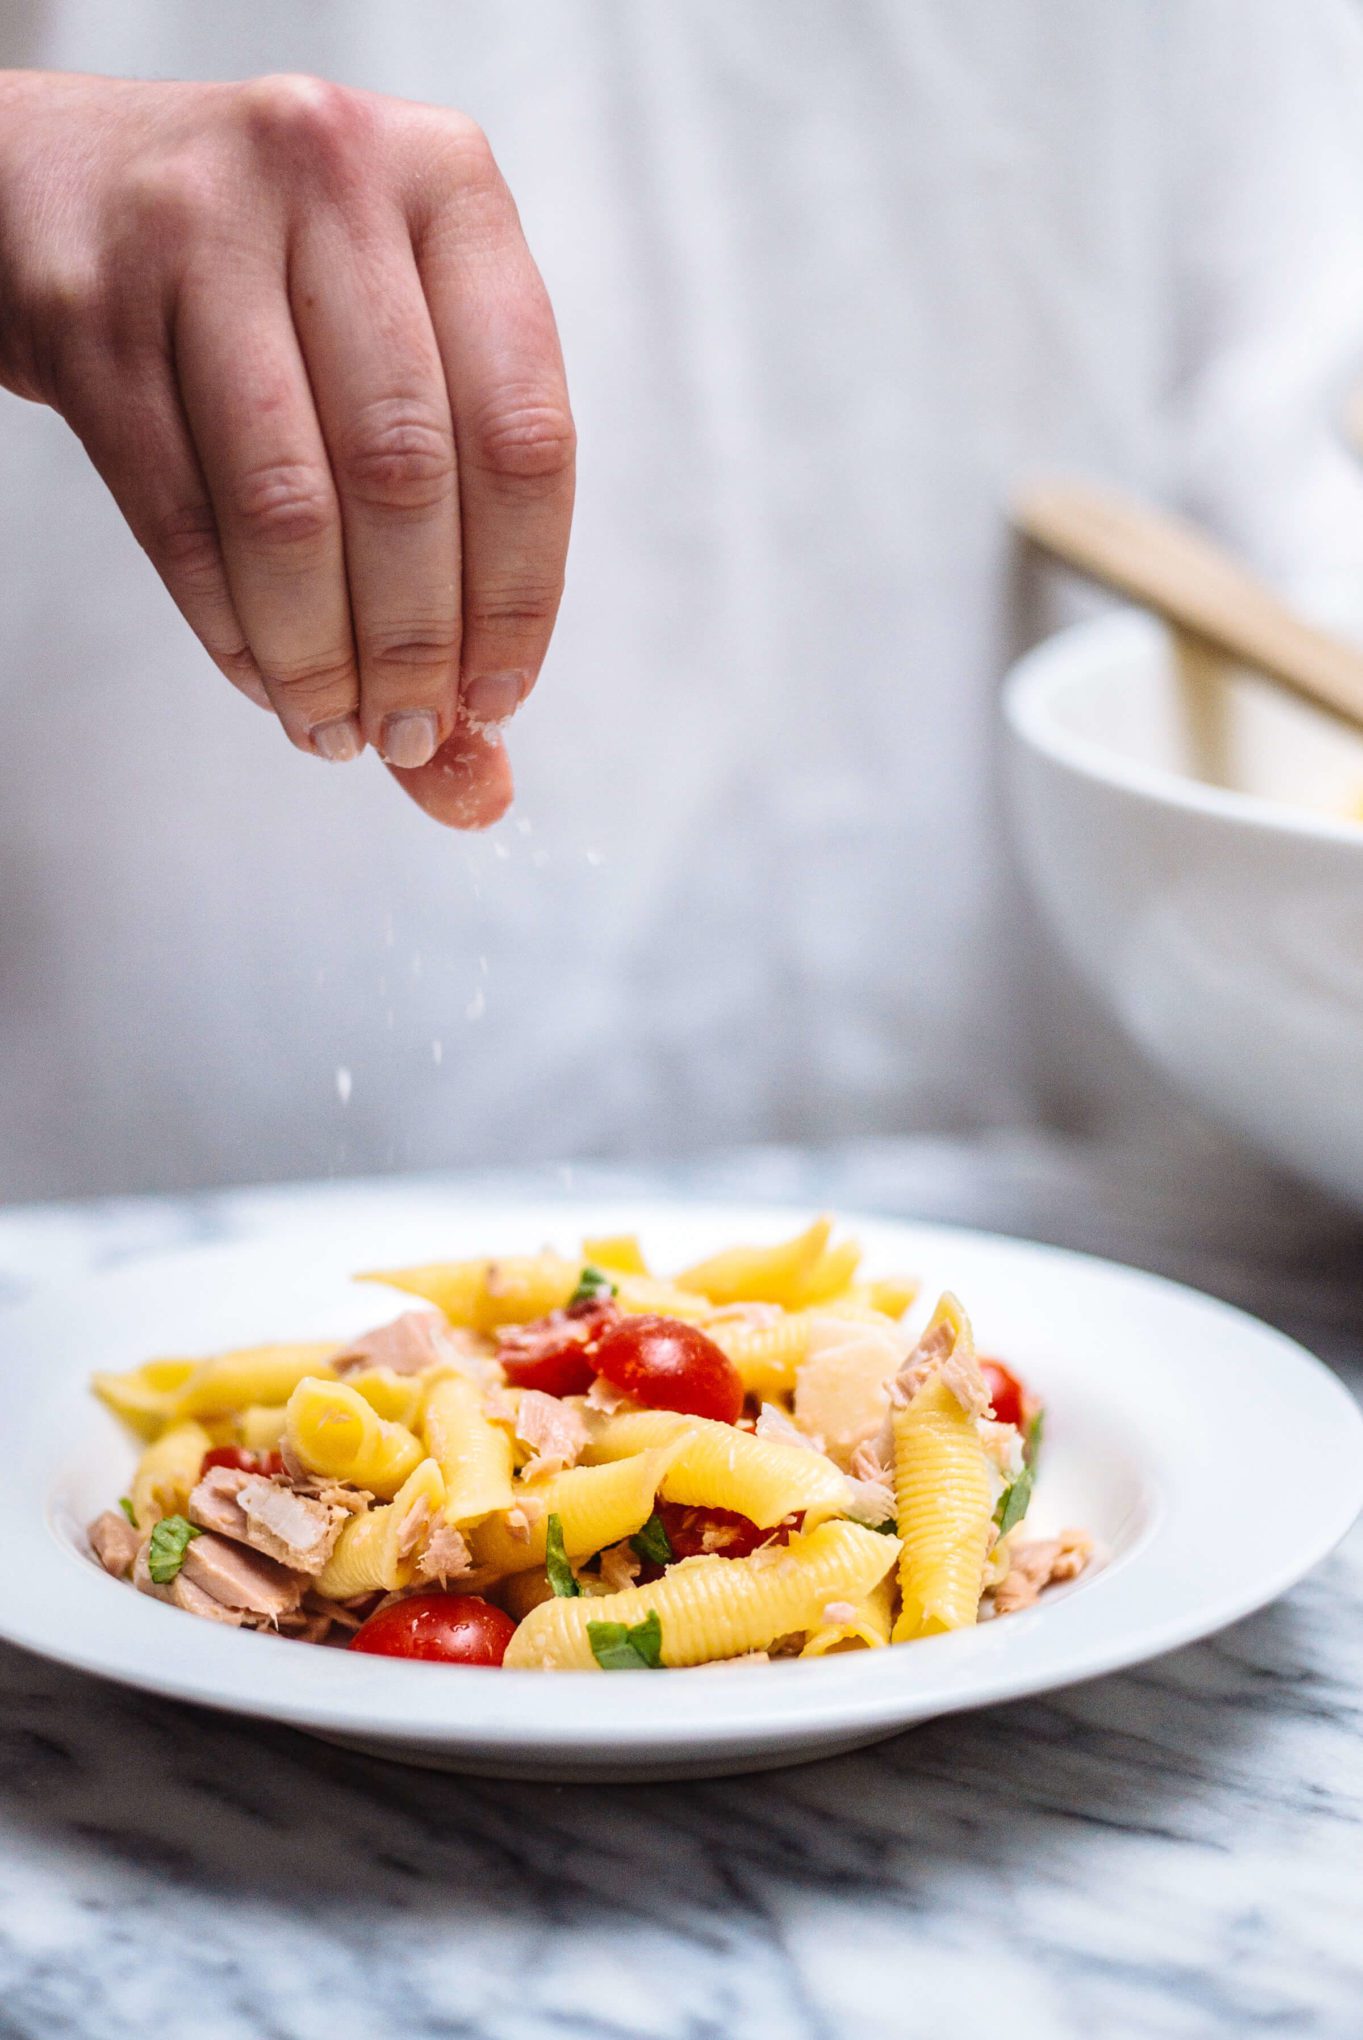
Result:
pixel 1172 1851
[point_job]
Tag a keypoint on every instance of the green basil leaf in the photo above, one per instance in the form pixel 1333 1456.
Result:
pixel 620 1649
pixel 125 1502
pixel 1032 1447
pixel 652 1543
pixel 166 1552
pixel 1013 1502
pixel 593 1286
pixel 889 1528
pixel 561 1576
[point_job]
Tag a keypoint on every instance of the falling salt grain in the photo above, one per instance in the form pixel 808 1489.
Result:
pixel 437 1052
pixel 596 857
pixel 539 858
pixel 344 1084
pixel 476 1006
pixel 523 825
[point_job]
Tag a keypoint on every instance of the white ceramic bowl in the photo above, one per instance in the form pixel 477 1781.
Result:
pixel 1190 837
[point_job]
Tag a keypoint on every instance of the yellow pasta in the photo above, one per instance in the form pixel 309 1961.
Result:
pixel 759 1274
pixel 484 1294
pixel 829 1276
pixel 260 1427
pixel 253 1374
pixel 617 1253
pixel 722 1468
pixel 640 1295
pixel 379 1548
pixel 716 1607
pixel 332 1430
pixel 597 1506
pixel 766 1356
pixel 474 1454
pixel 867 1628
pixel 166 1472
pixel 398 1398
pixel 144 1397
pixel 943 1490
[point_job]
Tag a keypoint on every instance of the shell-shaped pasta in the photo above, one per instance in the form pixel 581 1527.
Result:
pixel 166 1472
pixel 716 1607
pixel 766 1356
pixel 617 1253
pixel 597 1506
pixel 378 1549
pixel 829 1276
pixel 253 1374
pixel 332 1430
pixel 719 1467
pixel 474 1454
pixel 484 1294
pixel 260 1427
pixel 868 1628
pixel 144 1397
pixel 644 1295
pixel 759 1274
pixel 397 1398
pixel 944 1506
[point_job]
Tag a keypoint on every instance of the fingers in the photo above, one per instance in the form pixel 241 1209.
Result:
pixel 250 410
pixel 467 785
pixel 513 429
pixel 379 388
pixel 137 438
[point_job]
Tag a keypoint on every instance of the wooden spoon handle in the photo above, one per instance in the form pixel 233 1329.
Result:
pixel 1185 577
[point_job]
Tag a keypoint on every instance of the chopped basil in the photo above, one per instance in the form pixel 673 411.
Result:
pixel 561 1577
pixel 1034 1430
pixel 166 1552
pixel 125 1502
pixel 889 1528
pixel 593 1286
pixel 652 1543
pixel 1013 1502
pixel 620 1649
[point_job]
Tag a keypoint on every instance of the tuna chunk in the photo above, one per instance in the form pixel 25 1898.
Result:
pixel 114 1542
pixel 241 1579
pixel 1036 1566
pixel 553 1430
pixel 265 1511
pixel 409 1345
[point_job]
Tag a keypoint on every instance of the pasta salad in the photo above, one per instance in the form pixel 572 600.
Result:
pixel 573 1464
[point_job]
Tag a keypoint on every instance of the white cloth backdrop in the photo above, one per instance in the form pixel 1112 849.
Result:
pixel 828 275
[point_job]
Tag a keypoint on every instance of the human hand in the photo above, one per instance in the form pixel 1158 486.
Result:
pixel 299 332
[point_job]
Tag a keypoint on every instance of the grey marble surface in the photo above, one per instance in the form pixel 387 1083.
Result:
pixel 1172 1851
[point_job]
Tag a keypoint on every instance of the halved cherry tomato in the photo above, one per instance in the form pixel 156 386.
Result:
pixel 448 1629
pixel 692 1531
pixel 551 1353
pixel 240 1460
pixel 1006 1392
pixel 670 1366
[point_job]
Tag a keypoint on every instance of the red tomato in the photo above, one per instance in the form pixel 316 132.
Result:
pixel 551 1353
pixel 1006 1392
pixel 733 1536
pixel 449 1629
pixel 241 1461
pixel 670 1366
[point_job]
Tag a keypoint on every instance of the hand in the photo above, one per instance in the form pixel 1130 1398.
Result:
pixel 299 333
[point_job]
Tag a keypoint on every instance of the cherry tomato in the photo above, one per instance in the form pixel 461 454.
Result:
pixel 551 1353
pixel 448 1629
pixel 670 1366
pixel 729 1534
pixel 1006 1392
pixel 241 1461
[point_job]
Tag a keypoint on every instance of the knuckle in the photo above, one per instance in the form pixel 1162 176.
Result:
pixel 526 439
pixel 308 120
pixel 285 504
pixel 420 652
pixel 309 685
pixel 170 195
pixel 398 458
pixel 515 606
pixel 184 543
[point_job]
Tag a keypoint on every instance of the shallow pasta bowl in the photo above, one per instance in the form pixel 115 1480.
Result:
pixel 1159 1400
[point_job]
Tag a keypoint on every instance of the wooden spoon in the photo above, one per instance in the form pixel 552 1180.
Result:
pixel 1176 570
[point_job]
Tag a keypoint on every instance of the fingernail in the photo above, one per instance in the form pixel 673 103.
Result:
pixel 492 697
pixel 410 739
pixel 338 742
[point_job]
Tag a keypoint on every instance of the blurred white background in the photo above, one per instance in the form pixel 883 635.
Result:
pixel 828 277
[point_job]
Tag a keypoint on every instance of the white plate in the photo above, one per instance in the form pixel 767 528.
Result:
pixel 1215 1461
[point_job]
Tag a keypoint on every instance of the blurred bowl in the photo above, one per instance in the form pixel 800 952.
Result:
pixel 1191 834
